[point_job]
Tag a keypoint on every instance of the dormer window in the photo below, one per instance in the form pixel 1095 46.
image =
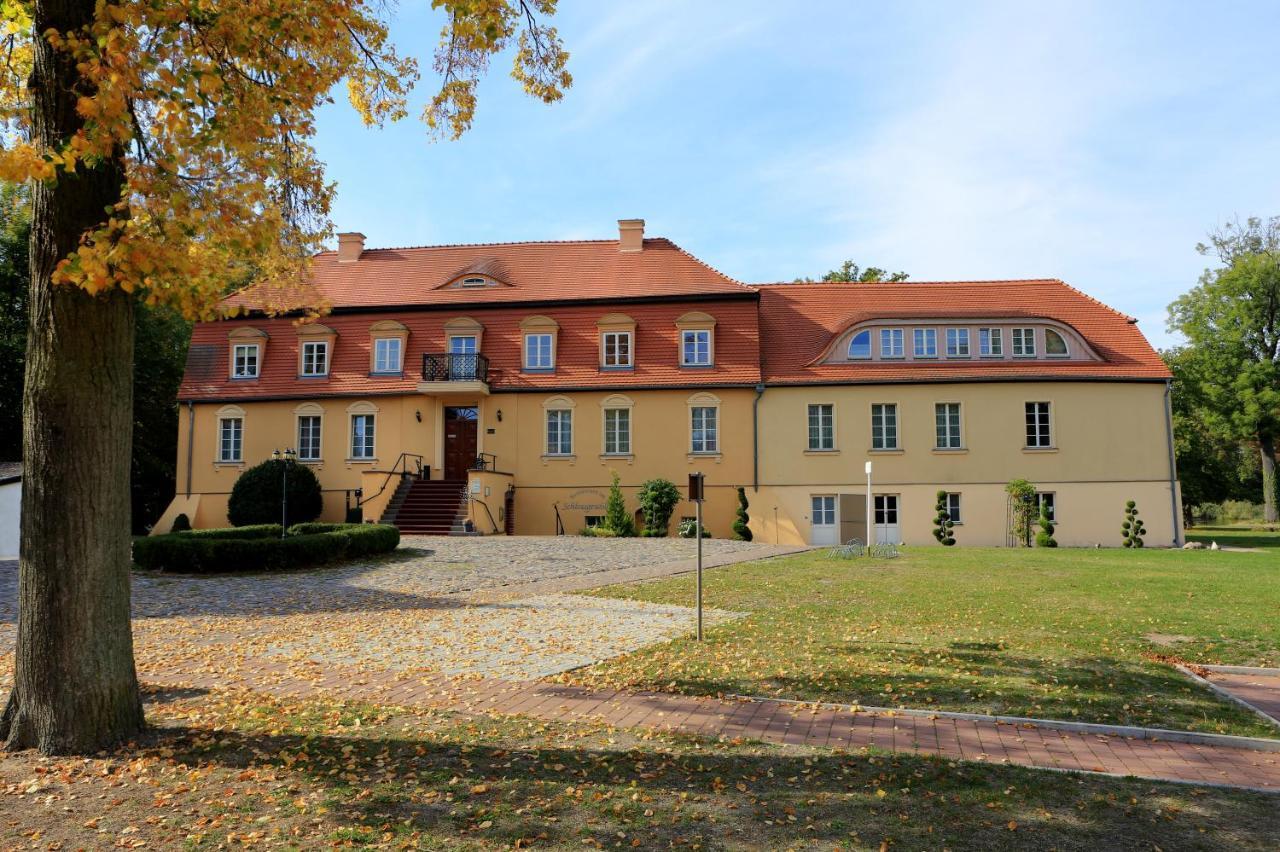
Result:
pixel 1024 342
pixel 891 343
pixel 245 361
pixel 474 281
pixel 315 358
pixel 957 343
pixel 860 345
pixel 1055 345
pixel 925 343
pixel 990 343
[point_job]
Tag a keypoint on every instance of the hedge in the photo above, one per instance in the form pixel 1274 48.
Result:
pixel 226 551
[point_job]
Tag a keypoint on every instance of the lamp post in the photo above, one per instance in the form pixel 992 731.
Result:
pixel 696 494
pixel 868 507
pixel 288 457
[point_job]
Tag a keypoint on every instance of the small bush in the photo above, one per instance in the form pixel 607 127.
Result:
pixel 1234 511
pixel 689 529
pixel 256 496
pixel 255 531
pixel 942 523
pixel 181 523
pixel 658 499
pixel 1022 500
pixel 741 530
pixel 1045 538
pixel 219 551
pixel 597 532
pixel 1132 530
pixel 616 516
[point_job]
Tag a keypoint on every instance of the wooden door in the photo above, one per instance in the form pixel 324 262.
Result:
pixel 459 441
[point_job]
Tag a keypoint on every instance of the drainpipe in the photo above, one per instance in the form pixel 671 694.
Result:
pixel 1173 466
pixel 755 438
pixel 191 431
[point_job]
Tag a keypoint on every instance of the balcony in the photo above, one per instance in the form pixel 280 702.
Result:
pixel 454 372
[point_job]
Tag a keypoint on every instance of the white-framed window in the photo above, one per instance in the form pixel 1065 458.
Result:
pixel 473 281
pixel 891 343
pixel 860 345
pixel 1045 502
pixel 315 358
pixel 953 508
pixel 884 426
pixel 1038 426
pixel 308 437
pixel 823 509
pixel 462 344
pixel 822 426
pixel 559 432
pixel 704 429
pixel 245 361
pixel 925 342
pixel 1055 345
pixel 1024 342
pixel 615 348
pixel 957 343
pixel 230 439
pixel 362 429
pixel 617 431
pixel 695 347
pixel 387 355
pixel 538 351
pixel 947 419
pixel 990 342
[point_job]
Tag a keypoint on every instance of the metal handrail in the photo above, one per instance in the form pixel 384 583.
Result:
pixel 455 367
pixel 559 522
pixel 485 461
pixel 492 522
pixel 402 459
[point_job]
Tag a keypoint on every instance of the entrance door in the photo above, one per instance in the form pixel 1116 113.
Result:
pixel 822 516
pixel 459 441
pixel 887 529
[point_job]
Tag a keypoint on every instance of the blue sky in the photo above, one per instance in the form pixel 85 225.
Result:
pixel 1094 142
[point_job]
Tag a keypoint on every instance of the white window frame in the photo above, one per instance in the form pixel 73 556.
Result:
pixel 1049 497
pixel 619 363
pixel 897 343
pixel 942 432
pixel 699 417
pixel 1039 420
pixel 958 343
pixel 383 347
pixel 368 448
pixel 884 426
pixel 1066 345
pixel 922 341
pixel 236 356
pixel 1022 342
pixel 700 338
pixel 824 439
pixel 562 418
pixel 853 340
pixel 955 509
pixel 530 351
pixel 620 437
pixel 828 500
pixel 319 438
pixel 311 347
pixel 232 453
pixel 987 337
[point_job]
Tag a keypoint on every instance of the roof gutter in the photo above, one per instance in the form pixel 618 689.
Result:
pixel 755 438
pixel 1173 464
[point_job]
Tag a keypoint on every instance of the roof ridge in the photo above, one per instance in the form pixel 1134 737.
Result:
pixel 504 244
pixel 909 284
pixel 1099 303
pixel 704 264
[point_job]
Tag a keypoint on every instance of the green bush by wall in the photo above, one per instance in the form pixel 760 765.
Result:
pixel 260 548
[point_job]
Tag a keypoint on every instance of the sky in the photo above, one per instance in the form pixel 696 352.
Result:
pixel 1093 142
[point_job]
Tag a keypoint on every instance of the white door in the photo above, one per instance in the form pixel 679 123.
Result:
pixel 462 358
pixel 887 529
pixel 823 526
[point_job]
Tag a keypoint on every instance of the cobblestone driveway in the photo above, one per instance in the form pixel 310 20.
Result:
pixel 428 608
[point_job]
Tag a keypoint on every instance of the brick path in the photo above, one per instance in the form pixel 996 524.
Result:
pixel 787 724
pixel 1260 687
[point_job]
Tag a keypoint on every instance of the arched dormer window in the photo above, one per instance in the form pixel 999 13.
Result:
pixel 860 345
pixel 1055 345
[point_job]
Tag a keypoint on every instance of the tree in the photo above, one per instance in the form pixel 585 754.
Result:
pixel 616 516
pixel 168 146
pixel 1045 538
pixel 849 272
pixel 1022 502
pixel 1232 320
pixel 943 526
pixel 256 495
pixel 741 521
pixel 658 498
pixel 15 233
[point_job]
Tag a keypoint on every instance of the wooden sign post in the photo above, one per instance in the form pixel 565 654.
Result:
pixel 696 495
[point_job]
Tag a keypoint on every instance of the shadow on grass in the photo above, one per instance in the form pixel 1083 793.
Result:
pixel 718 796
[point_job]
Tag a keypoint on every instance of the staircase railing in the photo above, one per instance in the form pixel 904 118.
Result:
pixel 559 522
pixel 400 467
pixel 485 461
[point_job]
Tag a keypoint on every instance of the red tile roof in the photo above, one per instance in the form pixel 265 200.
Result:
pixel 799 321
pixel 533 271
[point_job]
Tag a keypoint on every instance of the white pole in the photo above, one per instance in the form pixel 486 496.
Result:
pixel 698 505
pixel 869 542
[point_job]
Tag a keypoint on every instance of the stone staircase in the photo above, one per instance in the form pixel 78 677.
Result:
pixel 429 507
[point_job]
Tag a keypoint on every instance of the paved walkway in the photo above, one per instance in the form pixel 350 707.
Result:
pixel 782 723
pixel 1258 687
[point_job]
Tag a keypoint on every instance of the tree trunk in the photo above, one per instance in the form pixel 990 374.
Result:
pixel 75 688
pixel 1267 447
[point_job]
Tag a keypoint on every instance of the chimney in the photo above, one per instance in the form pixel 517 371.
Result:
pixel 350 246
pixel 630 235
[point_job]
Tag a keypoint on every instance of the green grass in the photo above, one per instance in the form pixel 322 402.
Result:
pixel 1237 536
pixel 1065 634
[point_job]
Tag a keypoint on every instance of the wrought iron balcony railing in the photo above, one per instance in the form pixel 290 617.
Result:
pixel 455 367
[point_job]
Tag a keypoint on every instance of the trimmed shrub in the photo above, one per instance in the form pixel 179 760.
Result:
pixel 689 529
pixel 741 531
pixel 658 499
pixel 597 532
pixel 181 523
pixel 255 498
pixel 1045 538
pixel 942 523
pixel 1132 529
pixel 218 551
pixel 1022 499
pixel 255 531
pixel 616 516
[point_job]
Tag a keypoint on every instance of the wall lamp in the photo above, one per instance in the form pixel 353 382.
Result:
pixel 499 415
pixel 418 414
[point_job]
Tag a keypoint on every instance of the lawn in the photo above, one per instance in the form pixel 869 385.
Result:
pixel 1236 536
pixel 231 769
pixel 1067 634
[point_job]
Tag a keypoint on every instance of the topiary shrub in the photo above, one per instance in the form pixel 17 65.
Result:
pixel 942 523
pixel 255 531
pixel 658 499
pixel 261 548
pixel 181 523
pixel 255 498
pixel 1022 500
pixel 689 529
pixel 1045 538
pixel 1132 529
pixel 616 516
pixel 741 531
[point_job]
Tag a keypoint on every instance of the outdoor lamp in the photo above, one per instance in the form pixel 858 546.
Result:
pixel 275 455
